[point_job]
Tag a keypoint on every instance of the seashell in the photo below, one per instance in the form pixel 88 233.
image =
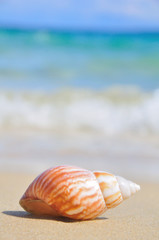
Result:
pixel 75 193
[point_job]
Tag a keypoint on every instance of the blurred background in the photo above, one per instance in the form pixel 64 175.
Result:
pixel 79 85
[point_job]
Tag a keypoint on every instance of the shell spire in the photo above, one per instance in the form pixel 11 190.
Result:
pixel 75 193
pixel 127 188
pixel 115 189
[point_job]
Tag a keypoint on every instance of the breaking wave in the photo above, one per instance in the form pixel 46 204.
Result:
pixel 109 112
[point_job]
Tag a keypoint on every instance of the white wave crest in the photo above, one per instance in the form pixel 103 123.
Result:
pixel 106 112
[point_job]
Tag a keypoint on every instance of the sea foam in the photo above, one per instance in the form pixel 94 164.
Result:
pixel 109 112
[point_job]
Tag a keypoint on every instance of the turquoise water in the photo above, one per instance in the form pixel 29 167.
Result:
pixel 44 60
pixel 79 82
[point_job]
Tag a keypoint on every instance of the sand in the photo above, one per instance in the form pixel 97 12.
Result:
pixel 136 218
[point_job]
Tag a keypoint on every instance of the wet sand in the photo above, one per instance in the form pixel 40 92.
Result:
pixel 136 218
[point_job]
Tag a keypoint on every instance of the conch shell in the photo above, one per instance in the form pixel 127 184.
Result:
pixel 75 193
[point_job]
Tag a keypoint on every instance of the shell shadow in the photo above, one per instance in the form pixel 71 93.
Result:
pixel 23 214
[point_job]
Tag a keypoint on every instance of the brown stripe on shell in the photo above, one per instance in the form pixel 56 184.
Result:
pixel 33 189
pixel 110 189
pixel 81 201
pixel 89 210
pixel 100 173
pixel 37 184
pixel 115 203
pixel 48 179
pixel 113 200
pixel 95 209
pixel 98 210
pixel 63 182
pixel 67 181
pixel 86 213
pixel 110 197
pixel 103 185
pixel 69 202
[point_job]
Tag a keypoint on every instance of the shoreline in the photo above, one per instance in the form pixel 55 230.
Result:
pixel 131 157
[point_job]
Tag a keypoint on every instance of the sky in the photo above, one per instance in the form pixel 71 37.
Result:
pixel 82 14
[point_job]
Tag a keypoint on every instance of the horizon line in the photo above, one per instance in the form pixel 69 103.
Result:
pixel 79 30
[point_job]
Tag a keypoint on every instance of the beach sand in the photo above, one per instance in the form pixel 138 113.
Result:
pixel 136 218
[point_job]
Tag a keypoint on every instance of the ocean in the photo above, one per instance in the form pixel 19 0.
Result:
pixel 82 91
pixel 42 60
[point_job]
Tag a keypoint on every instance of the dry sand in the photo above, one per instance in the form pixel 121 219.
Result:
pixel 136 218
